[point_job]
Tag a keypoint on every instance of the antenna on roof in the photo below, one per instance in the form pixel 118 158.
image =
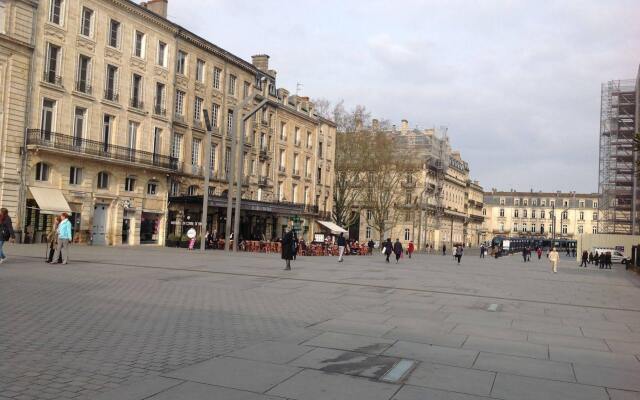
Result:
pixel 299 87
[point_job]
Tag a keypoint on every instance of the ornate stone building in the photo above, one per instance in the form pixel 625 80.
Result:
pixel 16 51
pixel 442 205
pixel 530 214
pixel 117 134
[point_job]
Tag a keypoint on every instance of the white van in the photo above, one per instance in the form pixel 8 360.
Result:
pixel 616 256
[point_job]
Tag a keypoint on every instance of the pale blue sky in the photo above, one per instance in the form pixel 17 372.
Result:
pixel 516 82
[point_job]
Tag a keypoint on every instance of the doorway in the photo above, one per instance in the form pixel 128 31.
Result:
pixel 126 228
pixel 99 229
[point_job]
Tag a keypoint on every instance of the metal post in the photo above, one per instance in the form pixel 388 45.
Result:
pixel 230 177
pixel 207 172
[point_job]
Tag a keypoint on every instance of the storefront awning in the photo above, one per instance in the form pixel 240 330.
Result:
pixel 50 201
pixel 335 229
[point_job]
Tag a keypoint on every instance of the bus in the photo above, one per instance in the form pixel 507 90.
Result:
pixel 510 245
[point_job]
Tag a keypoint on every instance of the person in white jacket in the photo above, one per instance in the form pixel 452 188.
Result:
pixel 553 259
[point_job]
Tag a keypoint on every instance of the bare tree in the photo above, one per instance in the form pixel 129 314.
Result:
pixel 350 154
pixel 322 107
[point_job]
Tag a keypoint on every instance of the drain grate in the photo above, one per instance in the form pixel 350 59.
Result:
pixel 398 371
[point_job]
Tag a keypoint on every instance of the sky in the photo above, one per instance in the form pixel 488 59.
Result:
pixel 517 83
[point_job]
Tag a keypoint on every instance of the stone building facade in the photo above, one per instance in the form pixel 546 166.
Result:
pixel 16 51
pixel 530 214
pixel 442 205
pixel 117 132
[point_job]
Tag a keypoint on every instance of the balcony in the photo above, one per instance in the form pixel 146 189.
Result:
pixel 52 78
pixel 282 169
pixel 264 154
pixel 264 181
pixel 83 87
pixel 111 95
pixel 136 103
pixel 296 173
pixel 159 110
pixel 179 118
pixel 197 124
pixel 50 140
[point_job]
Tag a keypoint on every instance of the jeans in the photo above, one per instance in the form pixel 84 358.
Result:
pixel 2 256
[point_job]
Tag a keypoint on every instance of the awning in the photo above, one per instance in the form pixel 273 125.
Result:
pixel 335 229
pixel 50 201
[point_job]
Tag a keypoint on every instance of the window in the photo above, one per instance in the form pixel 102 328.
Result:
pixel 564 215
pixel 162 54
pixel 195 152
pixel 542 214
pixel 197 109
pixel 307 167
pixel 111 83
pixel 564 229
pixel 283 160
pixel 552 203
pixel 86 24
pixel 3 17
pixel 595 204
pixel 369 215
pixel 200 70
pixel 594 229
pixel 217 72
pixel 232 85
pixel 52 63
pixel 309 139
pixel 368 232
pixel 533 214
pixel 296 167
pixel 283 131
pixel 212 159
pixel 406 234
pixel 516 202
pixel 129 184
pixel 227 161
pixel 297 136
pixel 543 203
pixel 152 187
pixel 319 176
pixel 580 229
pixel 42 171
pixel 581 203
pixel 245 90
pixel 174 188
pixel 159 101
pixel 565 203
pixel 524 213
pixel 280 191
pixel 502 227
pixel 181 62
pixel 156 144
pixel 83 83
pixel 294 193
pixel 525 202
pixel 136 91
pixel 79 125
pixel 516 213
pixel 502 212
pixel 524 227
pixel 534 202
pixel 114 33
pixel 138 44
pixel 215 111
pixel 176 146
pixel 192 190
pixel 501 202
pixel 229 120
pixel 581 216
pixel 541 228
pixel 515 227
pixel 103 180
pixel 484 211
pixel 132 136
pixel 595 216
pixel 55 12
pixel 533 228
pixel 320 150
pixel 180 102
pixel 107 122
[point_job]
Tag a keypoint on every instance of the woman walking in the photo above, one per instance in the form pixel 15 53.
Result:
pixel 52 238
pixel 397 249
pixel 459 251
pixel 64 237
pixel 388 249
pixel 288 248
pixel 553 259
pixel 410 249
pixel 6 232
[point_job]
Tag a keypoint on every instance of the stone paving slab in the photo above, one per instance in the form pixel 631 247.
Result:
pixel 623 395
pixel 490 332
pixel 591 357
pixel 354 327
pixel 409 392
pixel 434 354
pixel 273 352
pixel 316 385
pixel 236 374
pixel 140 390
pixel 435 337
pixel 358 343
pixel 615 378
pixel 525 366
pixel 453 379
pixel 623 347
pixel 346 362
pixel 512 387
pixel 199 391
pixel 508 347
pixel 579 342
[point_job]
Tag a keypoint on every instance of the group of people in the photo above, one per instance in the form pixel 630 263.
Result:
pixel 59 238
pixel 603 260
pixel 526 253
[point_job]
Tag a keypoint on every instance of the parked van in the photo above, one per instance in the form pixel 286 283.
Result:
pixel 616 256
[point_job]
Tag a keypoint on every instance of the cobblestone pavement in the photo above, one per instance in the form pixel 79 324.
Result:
pixel 158 323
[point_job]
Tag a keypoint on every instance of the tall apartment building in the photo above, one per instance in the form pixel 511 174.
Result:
pixel 531 214
pixel 16 51
pixel 117 135
pixel 619 177
pixel 442 205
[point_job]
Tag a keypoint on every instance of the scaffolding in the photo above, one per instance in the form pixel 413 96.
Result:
pixel 618 175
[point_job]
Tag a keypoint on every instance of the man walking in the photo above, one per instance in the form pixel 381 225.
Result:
pixel 388 249
pixel 371 245
pixel 64 237
pixel 397 249
pixel 342 242
pixel 585 259
pixel 482 250
pixel 288 248
pixel 444 249
pixel 553 259
pixel 458 253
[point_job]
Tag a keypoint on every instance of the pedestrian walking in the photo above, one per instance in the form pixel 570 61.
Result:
pixel 387 249
pixel 553 259
pixel 591 257
pixel 444 249
pixel 191 234
pixel 410 249
pixel 371 245
pixel 52 239
pixel 585 259
pixel 607 262
pixel 482 250
pixel 397 249
pixel 64 237
pixel 458 253
pixel 524 254
pixel 342 242
pixel 6 232
pixel 539 252
pixel 603 260
pixel 596 258
pixel 288 243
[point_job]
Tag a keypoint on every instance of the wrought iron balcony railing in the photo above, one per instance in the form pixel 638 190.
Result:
pixel 83 87
pixel 111 95
pixel 95 148
pixel 52 77
pixel 136 103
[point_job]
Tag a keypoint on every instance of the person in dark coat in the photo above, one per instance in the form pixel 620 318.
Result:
pixel 585 259
pixel 607 262
pixel 371 245
pixel 388 248
pixel 524 254
pixel 444 249
pixel 397 249
pixel 6 231
pixel 288 248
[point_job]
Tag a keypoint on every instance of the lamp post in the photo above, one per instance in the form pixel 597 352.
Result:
pixel 207 173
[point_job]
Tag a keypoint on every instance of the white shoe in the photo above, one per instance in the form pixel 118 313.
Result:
pixel 1 260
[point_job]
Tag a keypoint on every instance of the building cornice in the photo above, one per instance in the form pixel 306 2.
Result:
pixel 542 194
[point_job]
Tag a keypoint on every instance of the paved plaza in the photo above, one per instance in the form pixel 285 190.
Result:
pixel 159 323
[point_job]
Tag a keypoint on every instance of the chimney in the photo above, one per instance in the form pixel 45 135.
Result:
pixel 404 128
pixel 375 125
pixel 261 61
pixel 283 94
pixel 157 6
